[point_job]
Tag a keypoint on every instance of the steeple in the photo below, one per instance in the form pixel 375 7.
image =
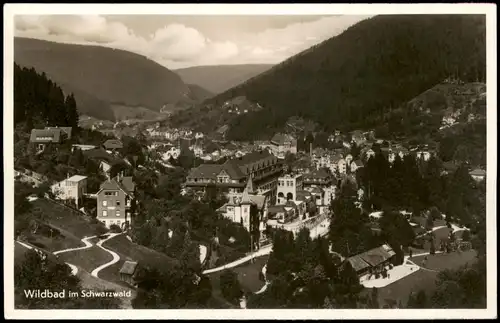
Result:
pixel 249 186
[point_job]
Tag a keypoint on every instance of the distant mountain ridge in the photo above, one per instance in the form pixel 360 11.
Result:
pixel 351 80
pixel 219 78
pixel 100 76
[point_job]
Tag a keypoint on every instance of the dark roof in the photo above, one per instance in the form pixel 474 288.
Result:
pixel 377 255
pixel 276 209
pixel 100 154
pixel 113 144
pixel 371 258
pixel 39 135
pixel 357 263
pixel 254 160
pixel 317 174
pixel 232 169
pixel 303 195
pixel 128 183
pixel 128 267
pixel 236 168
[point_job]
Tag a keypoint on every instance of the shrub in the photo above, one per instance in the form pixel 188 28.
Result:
pixel 384 274
pixel 100 230
pixel 230 286
pixel 377 275
pixel 466 235
pixel 115 228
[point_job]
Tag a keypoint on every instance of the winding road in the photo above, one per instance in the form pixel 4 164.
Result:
pixel 116 257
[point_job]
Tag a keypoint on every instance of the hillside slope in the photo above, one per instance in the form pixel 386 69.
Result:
pixel 102 76
pixel 352 80
pixel 220 78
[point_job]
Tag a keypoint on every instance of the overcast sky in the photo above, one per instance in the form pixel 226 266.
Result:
pixel 182 41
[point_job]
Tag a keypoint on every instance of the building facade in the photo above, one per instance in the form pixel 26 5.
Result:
pixel 281 144
pixel 72 188
pixel 288 186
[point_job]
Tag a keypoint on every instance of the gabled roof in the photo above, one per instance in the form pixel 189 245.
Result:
pixel 205 171
pixel 371 258
pixel 126 185
pixel 129 267
pixel 478 172
pixel 39 135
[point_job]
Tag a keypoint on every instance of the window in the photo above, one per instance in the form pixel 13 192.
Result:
pixel 117 213
pixel 104 213
pixel 117 203
pixel 111 193
pixel 118 222
pixel 230 209
pixel 104 203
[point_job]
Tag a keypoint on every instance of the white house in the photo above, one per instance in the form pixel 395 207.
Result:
pixel 238 208
pixel 72 188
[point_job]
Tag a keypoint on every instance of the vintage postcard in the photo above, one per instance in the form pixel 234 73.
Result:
pixel 241 161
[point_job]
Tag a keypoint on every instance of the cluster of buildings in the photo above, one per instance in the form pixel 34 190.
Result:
pixel 259 181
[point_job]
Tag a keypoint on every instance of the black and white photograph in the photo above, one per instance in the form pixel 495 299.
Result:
pixel 258 160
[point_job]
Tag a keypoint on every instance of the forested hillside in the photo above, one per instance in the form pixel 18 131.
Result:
pixel 354 79
pixel 220 78
pixel 38 99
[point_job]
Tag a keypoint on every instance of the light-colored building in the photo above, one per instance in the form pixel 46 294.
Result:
pixel 114 202
pixel 72 188
pixel 288 186
pixel 240 206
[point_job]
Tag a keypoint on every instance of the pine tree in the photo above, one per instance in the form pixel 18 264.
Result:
pixel 71 112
